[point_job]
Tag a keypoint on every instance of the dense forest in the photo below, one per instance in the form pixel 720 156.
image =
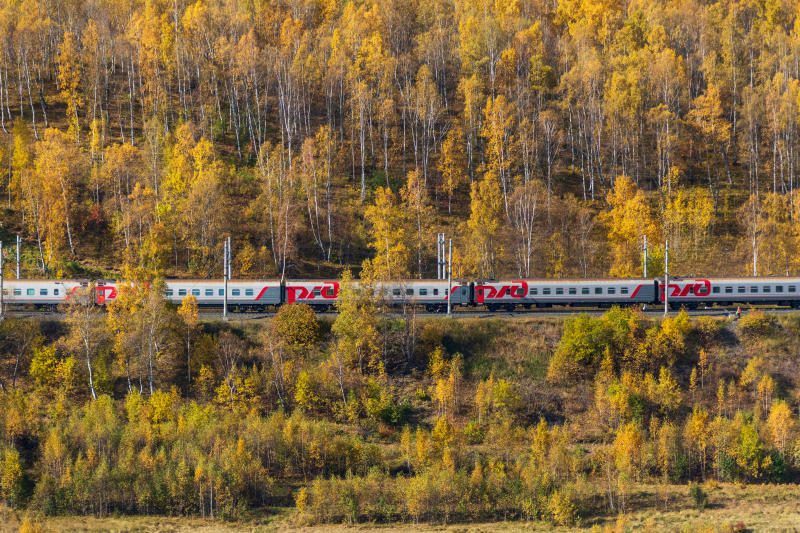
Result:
pixel 545 137
pixel 142 409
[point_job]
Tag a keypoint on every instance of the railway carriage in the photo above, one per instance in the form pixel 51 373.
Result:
pixel 255 294
pixel 430 293
pixel 40 293
pixel 508 295
pixel 693 292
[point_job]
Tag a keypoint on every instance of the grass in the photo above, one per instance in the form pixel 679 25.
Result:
pixel 770 508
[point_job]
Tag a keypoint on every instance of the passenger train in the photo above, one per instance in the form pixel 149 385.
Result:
pixel 494 295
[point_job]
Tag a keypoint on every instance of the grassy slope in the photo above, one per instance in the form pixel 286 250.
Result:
pixel 769 508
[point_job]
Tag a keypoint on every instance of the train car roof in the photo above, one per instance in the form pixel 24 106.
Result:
pixel 40 280
pixel 740 280
pixel 219 280
pixel 567 280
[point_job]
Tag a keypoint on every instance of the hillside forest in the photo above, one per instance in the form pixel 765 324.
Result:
pixel 545 137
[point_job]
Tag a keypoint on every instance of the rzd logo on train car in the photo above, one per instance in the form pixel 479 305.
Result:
pixel 517 289
pixel 700 288
pixel 327 291
pixel 104 293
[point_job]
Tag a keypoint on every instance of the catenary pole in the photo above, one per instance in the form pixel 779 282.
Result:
pixel 644 264
pixel 230 257
pixel 450 278
pixel 438 256
pixel 225 280
pixel 2 294
pixel 19 243
pixel 444 258
pixel 666 277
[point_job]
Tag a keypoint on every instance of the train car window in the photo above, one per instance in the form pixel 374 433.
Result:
pixel 436 292
pixel 423 292
pixel 42 292
pixel 532 291
pixel 409 292
pixel 181 292
pixel 221 292
pixel 209 292
pixel 519 291
pixel 446 291
pixel 30 292
pixel 598 290
pixel 168 292
pixel 317 292
pixel 612 290
pixel 778 288
pixel 236 292
pixel 248 292
pixel 5 292
pixel 395 292
pixel 691 289
pixel 792 288
pixel 17 292
pixel 766 288
pixel 585 290
pixel 623 290
pixel 195 292
pixel 741 290
pixel 545 291
pixel 55 292
pixel 753 289
pixel 559 290
pixel 573 290
pixel 728 290
pixel 715 290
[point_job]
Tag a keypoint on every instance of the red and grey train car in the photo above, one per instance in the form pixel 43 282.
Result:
pixel 497 295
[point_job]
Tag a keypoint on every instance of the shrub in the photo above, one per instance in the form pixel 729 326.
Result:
pixel 774 466
pixel 679 469
pixel 381 406
pixel 708 328
pixel 585 340
pixel 756 324
pixel 473 433
pixel 562 510
pixel 698 496
pixel 296 324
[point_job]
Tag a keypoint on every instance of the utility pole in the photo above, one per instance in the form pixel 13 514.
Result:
pixel 230 268
pixel 2 294
pixel 19 242
pixel 450 278
pixel 666 277
pixel 225 280
pixel 441 257
pixel 438 256
pixel 644 265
